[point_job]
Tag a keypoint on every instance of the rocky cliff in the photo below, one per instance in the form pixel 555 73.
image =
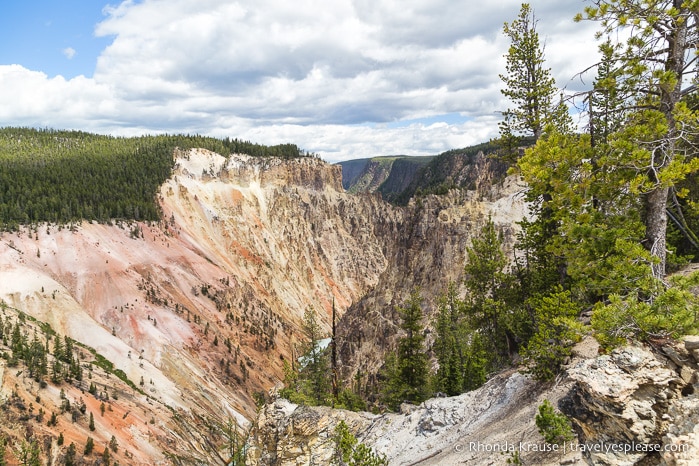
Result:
pixel 389 176
pixel 200 310
pixel 428 252
pixel 206 305
pixel 635 406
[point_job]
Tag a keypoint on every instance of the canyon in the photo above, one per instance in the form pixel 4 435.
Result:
pixel 183 328
pixel 200 310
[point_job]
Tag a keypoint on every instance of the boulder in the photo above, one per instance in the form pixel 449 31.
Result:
pixel 626 399
pixel 691 342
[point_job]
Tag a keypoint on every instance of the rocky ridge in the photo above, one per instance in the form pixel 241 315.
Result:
pixel 428 252
pixel 634 398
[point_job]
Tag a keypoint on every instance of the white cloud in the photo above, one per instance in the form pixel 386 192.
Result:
pixel 311 72
pixel 69 52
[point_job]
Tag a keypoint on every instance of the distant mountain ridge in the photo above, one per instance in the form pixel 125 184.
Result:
pixel 399 178
pixel 386 174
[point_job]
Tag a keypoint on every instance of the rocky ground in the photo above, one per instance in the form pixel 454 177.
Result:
pixel 633 396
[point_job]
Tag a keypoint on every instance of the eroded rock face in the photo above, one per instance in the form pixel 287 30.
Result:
pixel 286 434
pixel 632 398
pixel 480 427
pixel 205 306
pixel 428 250
pixel 632 402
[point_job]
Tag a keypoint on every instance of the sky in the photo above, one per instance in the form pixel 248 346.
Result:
pixel 342 78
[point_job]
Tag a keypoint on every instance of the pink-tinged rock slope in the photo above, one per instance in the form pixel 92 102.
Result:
pixel 204 307
pixel 245 246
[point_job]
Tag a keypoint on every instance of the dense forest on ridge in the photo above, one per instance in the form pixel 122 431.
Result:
pixel 60 176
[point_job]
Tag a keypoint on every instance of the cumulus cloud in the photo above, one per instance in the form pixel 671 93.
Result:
pixel 325 75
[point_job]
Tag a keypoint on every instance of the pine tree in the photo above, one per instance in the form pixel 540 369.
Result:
pixel 316 368
pixel 3 451
pixel 89 446
pixel 106 457
pixel 654 66
pixel 488 287
pixel 528 83
pixel 69 458
pixel 113 444
pixel 29 453
pixel 604 194
pixel 407 373
pixel 333 356
pixel 311 383
pixel 449 344
pixel 554 427
pixel 556 330
pixel 58 348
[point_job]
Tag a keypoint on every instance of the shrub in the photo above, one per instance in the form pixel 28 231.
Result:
pixel 349 452
pixel 554 427
pixel 661 313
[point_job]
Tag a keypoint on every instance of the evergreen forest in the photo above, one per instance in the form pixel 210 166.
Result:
pixel 61 177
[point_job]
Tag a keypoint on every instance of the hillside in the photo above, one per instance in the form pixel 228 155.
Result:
pixel 401 178
pixel 206 304
pixel 387 175
pixel 456 168
pixel 68 176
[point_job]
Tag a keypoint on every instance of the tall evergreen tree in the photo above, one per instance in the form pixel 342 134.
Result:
pixel 449 345
pixel 407 373
pixel 69 458
pixel 312 382
pixel 29 453
pixel 654 64
pixel 528 83
pixel 333 356
pixel 488 290
pixel 316 364
pixel 606 191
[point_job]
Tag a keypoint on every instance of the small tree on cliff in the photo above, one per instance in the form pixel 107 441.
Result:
pixel 3 450
pixel 407 371
pixel 311 383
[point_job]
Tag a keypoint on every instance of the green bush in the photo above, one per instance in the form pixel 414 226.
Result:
pixel 662 313
pixel 554 427
pixel 349 452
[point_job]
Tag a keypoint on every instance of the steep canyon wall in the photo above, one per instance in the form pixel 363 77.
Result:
pixel 205 306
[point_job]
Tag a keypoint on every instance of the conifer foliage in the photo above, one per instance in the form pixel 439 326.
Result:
pixel 604 194
pixel 407 372
pixel 311 382
pixel 67 176
pixel 529 84
pixel 310 379
pixel 655 65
